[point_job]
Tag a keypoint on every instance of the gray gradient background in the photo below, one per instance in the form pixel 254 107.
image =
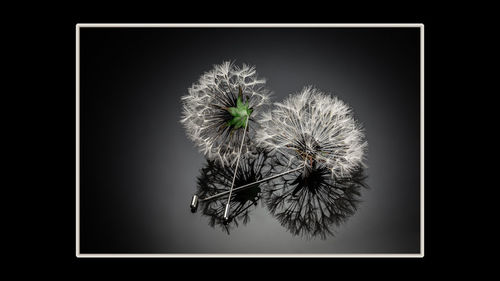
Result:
pixel 138 169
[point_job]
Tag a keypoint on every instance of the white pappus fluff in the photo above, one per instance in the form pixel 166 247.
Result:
pixel 314 129
pixel 206 110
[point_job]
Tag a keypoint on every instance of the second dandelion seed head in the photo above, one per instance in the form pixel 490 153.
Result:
pixel 315 129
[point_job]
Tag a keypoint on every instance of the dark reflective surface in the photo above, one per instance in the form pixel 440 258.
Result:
pixel 308 202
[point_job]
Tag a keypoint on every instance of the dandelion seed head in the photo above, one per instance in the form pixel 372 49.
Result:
pixel 218 105
pixel 311 127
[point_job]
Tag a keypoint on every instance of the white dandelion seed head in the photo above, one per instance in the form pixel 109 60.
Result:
pixel 205 110
pixel 314 128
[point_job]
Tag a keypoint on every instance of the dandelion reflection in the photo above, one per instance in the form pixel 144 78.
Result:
pixel 215 179
pixel 310 202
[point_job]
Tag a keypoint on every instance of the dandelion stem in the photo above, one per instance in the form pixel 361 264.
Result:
pixel 226 211
pixel 251 184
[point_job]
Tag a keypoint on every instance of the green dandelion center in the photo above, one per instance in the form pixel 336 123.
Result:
pixel 240 114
